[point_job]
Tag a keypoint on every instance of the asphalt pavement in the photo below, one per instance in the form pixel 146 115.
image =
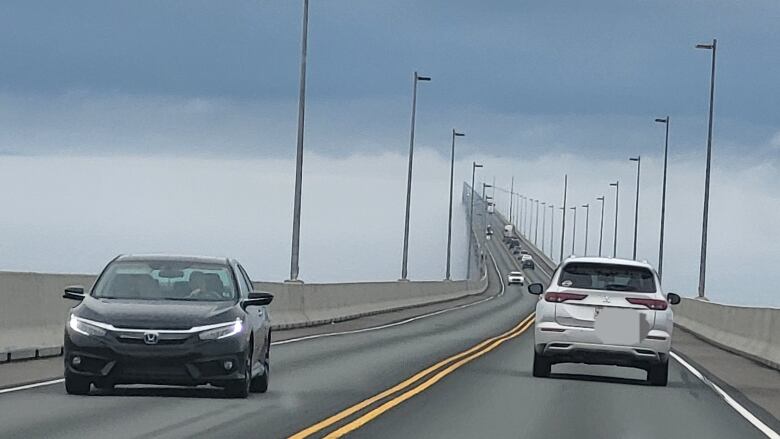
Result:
pixel 460 373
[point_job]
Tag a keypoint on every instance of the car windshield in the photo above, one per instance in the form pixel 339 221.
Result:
pixel 593 276
pixel 166 280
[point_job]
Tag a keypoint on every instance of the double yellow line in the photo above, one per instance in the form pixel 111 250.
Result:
pixel 444 368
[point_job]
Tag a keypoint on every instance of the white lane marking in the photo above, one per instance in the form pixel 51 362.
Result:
pixel 329 334
pixel 750 417
pixel 32 386
pixel 405 321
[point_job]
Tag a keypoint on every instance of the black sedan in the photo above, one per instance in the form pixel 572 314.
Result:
pixel 169 320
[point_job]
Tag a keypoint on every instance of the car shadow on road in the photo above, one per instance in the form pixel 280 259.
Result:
pixel 165 392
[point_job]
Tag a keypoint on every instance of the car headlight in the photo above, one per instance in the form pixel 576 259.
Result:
pixel 226 330
pixel 86 327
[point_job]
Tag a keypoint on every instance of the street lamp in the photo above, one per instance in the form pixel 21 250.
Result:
pixel 587 221
pixel 536 226
pixel 296 232
pixel 563 220
pixel 544 222
pixel 617 199
pixel 525 216
pixel 705 216
pixel 449 220
pixel 474 167
pixel 552 227
pixel 601 229
pixel 511 200
pixel 638 160
pixel 416 79
pixel 530 221
pixel 664 121
pixel 573 229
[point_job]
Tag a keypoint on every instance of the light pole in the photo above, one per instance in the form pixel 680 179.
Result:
pixel 474 167
pixel 587 222
pixel 573 229
pixel 638 160
pixel 705 216
pixel 536 223
pixel 544 222
pixel 416 79
pixel 511 199
pixel 449 220
pixel 530 220
pixel 552 228
pixel 617 199
pixel 563 220
pixel 296 232
pixel 521 201
pixel 601 228
pixel 664 121
pixel 525 216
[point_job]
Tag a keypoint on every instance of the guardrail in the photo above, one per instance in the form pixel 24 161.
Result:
pixel 749 331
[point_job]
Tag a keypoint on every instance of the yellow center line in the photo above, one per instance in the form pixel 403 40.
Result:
pixel 404 384
pixel 373 414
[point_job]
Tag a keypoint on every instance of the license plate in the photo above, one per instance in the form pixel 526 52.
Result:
pixel 617 326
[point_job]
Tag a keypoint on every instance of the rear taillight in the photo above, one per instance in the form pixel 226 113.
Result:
pixel 658 305
pixel 562 297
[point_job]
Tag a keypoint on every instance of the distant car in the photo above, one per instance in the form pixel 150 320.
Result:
pixel 169 320
pixel 524 252
pixel 515 277
pixel 604 311
pixel 527 261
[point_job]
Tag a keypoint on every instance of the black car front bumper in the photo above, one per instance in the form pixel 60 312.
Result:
pixel 186 361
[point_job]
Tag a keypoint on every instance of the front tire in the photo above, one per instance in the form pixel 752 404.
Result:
pixel 658 374
pixel 76 385
pixel 542 366
pixel 260 383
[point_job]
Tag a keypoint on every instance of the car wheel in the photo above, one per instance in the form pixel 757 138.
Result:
pixel 240 388
pixel 658 374
pixel 76 385
pixel 542 366
pixel 260 383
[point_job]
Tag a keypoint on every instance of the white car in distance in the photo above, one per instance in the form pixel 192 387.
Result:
pixel 604 311
pixel 515 277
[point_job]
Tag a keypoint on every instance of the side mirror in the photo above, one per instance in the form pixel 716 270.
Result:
pixel 672 298
pixel 536 289
pixel 257 298
pixel 75 292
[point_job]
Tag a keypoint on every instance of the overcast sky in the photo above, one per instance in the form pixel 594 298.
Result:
pixel 569 86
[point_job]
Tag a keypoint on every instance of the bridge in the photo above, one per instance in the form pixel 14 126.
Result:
pixel 408 359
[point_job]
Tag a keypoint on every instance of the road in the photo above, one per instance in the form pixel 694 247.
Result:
pixel 488 391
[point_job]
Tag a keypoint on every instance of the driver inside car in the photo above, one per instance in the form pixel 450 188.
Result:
pixel 198 285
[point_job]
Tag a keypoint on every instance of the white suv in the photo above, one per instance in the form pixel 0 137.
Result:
pixel 604 311
pixel 515 277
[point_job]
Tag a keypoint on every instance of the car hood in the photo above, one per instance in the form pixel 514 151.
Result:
pixel 156 314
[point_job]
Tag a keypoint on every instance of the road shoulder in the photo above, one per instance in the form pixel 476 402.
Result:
pixel 755 386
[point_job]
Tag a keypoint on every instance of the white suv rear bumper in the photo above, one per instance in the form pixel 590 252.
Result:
pixel 566 344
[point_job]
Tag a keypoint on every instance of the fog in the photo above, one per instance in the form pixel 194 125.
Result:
pixel 74 213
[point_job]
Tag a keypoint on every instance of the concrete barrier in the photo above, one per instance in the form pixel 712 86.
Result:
pixel 749 331
pixel 33 312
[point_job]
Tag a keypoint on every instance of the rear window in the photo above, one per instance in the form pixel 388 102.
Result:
pixel 614 277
